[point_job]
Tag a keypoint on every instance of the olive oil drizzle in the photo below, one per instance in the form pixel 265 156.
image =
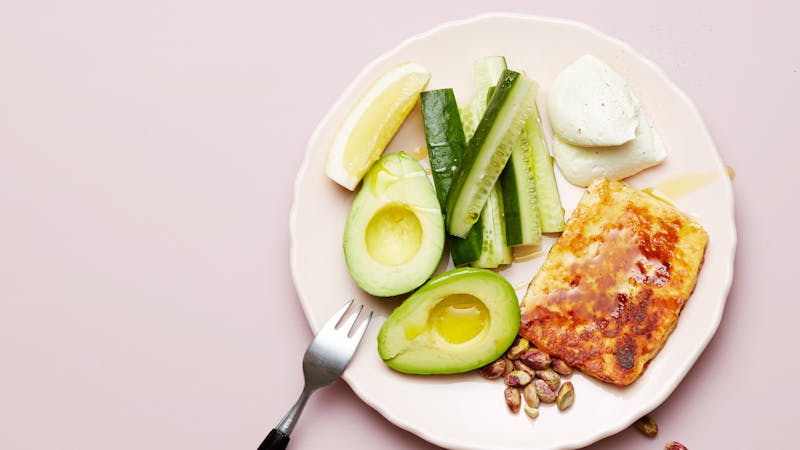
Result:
pixel 419 153
pixel 685 184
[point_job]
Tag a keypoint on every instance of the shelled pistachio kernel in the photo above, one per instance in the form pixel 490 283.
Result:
pixel 513 399
pixel 561 367
pixel 647 425
pixel 494 370
pixel 550 377
pixel 518 378
pixel 565 396
pixel 535 358
pixel 530 395
pixel 509 365
pixel 531 411
pixel 522 367
pixel 546 395
pixel 518 348
pixel 673 445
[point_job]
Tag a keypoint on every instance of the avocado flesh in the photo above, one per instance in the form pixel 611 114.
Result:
pixel 459 321
pixel 394 236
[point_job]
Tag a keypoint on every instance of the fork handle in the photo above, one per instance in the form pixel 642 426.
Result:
pixel 275 440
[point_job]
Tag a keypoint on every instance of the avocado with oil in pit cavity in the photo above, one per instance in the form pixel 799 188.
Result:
pixel 394 236
pixel 459 321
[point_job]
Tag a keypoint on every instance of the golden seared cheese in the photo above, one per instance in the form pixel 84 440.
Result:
pixel 612 287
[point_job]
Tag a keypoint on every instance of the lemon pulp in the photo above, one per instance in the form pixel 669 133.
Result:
pixel 370 136
pixel 373 121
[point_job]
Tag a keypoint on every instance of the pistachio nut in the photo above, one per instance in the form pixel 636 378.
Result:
pixel 494 370
pixel 531 411
pixel 550 377
pixel 536 358
pixel 647 425
pixel 543 391
pixel 518 378
pixel 530 395
pixel 509 365
pixel 520 346
pixel 513 399
pixel 522 367
pixel 560 367
pixel 565 396
pixel 673 445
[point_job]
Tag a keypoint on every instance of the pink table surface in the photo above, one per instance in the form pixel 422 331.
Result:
pixel 147 156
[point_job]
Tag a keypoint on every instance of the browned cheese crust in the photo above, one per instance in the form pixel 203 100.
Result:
pixel 612 287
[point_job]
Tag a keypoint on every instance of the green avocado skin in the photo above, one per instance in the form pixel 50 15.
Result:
pixel 427 352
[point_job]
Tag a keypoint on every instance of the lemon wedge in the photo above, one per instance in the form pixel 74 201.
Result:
pixel 374 119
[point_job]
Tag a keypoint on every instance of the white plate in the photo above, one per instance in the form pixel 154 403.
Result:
pixel 465 411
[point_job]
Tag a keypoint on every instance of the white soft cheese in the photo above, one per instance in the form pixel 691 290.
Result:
pixel 581 165
pixel 591 105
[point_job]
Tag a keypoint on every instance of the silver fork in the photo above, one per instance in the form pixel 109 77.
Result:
pixel 326 358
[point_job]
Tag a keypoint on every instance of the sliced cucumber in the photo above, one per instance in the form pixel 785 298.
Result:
pixel 488 150
pixel 492 225
pixel 467 250
pixel 487 71
pixel 519 197
pixel 551 213
pixel 444 136
pixel 494 250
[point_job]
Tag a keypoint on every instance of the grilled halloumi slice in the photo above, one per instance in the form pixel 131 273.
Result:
pixel 613 285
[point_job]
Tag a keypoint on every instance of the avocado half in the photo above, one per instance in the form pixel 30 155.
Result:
pixel 459 321
pixel 394 236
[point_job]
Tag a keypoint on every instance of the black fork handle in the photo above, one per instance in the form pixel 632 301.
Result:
pixel 275 440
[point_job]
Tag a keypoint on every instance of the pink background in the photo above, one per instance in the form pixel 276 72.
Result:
pixel 147 157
